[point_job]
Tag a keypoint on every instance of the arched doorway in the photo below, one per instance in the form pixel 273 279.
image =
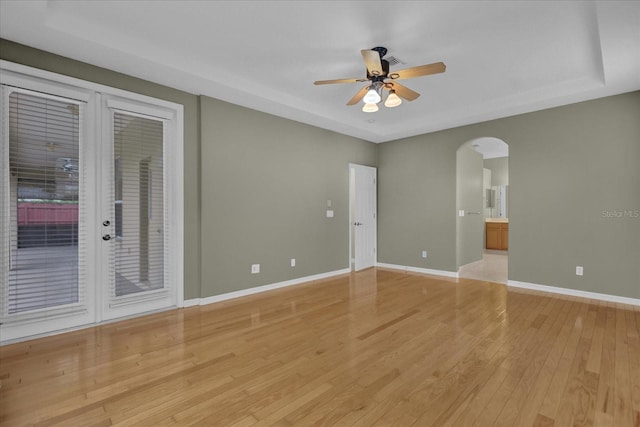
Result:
pixel 482 194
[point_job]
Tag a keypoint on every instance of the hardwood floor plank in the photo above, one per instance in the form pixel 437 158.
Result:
pixel 556 389
pixel 526 398
pixel 577 404
pixel 555 346
pixel 622 411
pixel 595 352
pixel 387 324
pixel 605 398
pixel 378 347
pixel 633 337
pixel 516 364
pixel 449 402
pixel 412 409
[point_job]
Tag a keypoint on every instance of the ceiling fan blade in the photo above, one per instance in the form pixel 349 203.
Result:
pixel 358 96
pixel 328 82
pixel 420 70
pixel 372 61
pixel 402 91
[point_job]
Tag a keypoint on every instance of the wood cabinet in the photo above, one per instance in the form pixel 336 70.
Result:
pixel 497 235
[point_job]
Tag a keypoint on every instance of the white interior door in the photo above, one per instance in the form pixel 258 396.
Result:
pixel 363 216
pixel 135 214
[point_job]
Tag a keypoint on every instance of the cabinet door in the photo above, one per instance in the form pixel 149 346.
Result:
pixel 493 236
pixel 504 237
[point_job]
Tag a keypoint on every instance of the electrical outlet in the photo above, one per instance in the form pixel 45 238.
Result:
pixel 579 270
pixel 293 262
pixel 424 254
pixel 255 268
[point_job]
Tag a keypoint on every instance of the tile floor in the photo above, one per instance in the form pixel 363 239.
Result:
pixel 492 268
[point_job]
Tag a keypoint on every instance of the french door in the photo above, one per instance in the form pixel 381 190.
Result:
pixel 85 221
pixel 134 217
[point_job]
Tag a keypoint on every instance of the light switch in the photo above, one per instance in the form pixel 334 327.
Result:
pixel 329 203
pixel 329 213
pixel 461 213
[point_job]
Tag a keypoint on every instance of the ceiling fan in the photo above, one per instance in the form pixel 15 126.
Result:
pixel 380 78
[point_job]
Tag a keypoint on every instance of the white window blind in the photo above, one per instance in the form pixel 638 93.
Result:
pixel 138 205
pixel 43 264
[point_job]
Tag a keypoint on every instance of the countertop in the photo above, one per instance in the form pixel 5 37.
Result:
pixel 496 220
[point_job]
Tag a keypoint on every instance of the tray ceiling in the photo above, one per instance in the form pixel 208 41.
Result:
pixel 503 57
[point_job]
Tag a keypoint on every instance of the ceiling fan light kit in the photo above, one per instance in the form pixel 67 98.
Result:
pixel 393 100
pixel 370 108
pixel 372 96
pixel 380 78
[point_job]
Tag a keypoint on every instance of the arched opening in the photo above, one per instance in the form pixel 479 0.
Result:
pixel 482 203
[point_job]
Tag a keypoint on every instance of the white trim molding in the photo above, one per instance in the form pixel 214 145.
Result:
pixel 573 292
pixel 445 273
pixel 250 291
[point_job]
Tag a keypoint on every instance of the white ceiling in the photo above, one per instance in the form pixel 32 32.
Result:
pixel 503 57
pixel 490 147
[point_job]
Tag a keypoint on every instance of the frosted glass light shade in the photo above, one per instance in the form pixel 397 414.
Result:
pixel 372 97
pixel 393 100
pixel 370 108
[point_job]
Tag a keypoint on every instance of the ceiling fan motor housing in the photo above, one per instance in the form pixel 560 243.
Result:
pixel 385 72
pixel 382 51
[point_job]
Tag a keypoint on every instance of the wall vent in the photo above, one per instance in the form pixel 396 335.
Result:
pixel 393 60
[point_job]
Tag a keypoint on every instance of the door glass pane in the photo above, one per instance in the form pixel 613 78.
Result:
pixel 139 204
pixel 43 187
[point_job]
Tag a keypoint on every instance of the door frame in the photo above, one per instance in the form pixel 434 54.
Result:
pixel 44 81
pixel 352 199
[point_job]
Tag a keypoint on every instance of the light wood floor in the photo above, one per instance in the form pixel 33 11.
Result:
pixel 375 348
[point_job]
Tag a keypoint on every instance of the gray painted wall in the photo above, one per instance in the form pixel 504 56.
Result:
pixel 265 185
pixel 574 172
pixel 499 168
pixel 417 201
pixel 569 166
pixel 469 197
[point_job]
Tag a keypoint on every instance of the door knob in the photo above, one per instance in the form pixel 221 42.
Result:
pixel 106 237
pixel 106 223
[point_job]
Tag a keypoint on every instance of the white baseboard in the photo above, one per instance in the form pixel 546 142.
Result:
pixel 264 288
pixel 445 273
pixel 573 292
